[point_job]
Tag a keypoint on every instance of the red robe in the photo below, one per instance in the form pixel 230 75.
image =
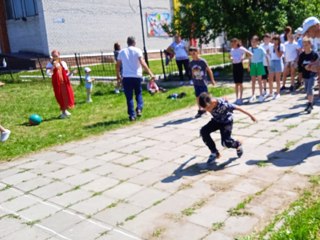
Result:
pixel 62 88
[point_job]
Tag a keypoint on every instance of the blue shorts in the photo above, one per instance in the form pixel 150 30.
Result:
pixel 200 89
pixel 276 66
pixel 308 85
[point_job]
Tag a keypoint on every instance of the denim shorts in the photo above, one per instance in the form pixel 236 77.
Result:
pixel 308 85
pixel 276 66
pixel 200 89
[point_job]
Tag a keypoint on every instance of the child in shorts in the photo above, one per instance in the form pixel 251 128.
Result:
pixel 88 83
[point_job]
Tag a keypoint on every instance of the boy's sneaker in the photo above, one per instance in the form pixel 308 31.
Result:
pixel 282 88
pixel 261 98
pixel 68 113
pixel 139 112
pixel 199 114
pixel 212 158
pixel 309 108
pixel 252 99
pixel 239 151
pixel 131 119
pixel 292 88
pixel 116 91
pixel 5 135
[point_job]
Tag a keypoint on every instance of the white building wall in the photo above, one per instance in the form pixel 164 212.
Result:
pixel 95 25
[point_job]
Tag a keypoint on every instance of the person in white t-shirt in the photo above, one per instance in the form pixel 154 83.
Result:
pixel 180 50
pixel 291 58
pixel 132 62
pixel 237 55
pixel 266 45
pixel 276 66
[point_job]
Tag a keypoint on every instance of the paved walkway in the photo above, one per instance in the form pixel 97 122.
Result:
pixel 150 180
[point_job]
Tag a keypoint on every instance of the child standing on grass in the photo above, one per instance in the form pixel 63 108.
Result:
pixel 199 70
pixel 276 65
pixel 306 59
pixel 89 84
pixel 222 119
pixel 237 55
pixel 5 133
pixel 116 51
pixel 291 58
pixel 256 67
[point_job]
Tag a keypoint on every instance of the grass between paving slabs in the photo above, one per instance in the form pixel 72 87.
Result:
pixel 108 111
pixel 300 222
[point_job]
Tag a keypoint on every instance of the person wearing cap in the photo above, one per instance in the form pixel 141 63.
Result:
pixel 311 29
pixel 132 62
pixel 88 83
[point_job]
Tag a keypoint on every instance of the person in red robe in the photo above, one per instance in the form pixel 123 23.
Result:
pixel 59 72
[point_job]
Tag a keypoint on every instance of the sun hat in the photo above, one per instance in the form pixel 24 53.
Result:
pixel 299 30
pixel 87 69
pixel 309 22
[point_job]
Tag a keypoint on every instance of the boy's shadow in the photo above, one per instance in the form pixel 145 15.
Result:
pixel 175 122
pixel 285 116
pixel 196 169
pixel 287 158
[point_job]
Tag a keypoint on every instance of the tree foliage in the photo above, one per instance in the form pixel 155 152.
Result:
pixel 207 19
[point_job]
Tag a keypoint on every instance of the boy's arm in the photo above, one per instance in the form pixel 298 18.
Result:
pixel 247 113
pixel 209 71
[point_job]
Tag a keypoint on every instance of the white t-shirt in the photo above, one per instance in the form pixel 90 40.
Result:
pixel 291 52
pixel 180 50
pixel 268 48
pixel 237 54
pixel 129 58
pixel 49 68
pixel 274 56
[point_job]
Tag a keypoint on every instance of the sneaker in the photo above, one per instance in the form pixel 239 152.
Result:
pixel 240 102
pixel 139 112
pixel 261 98
pixel 132 119
pixel 191 82
pixel 68 113
pixel 309 108
pixel 252 99
pixel 116 91
pixel 239 151
pixel 89 100
pixel 212 158
pixel 282 88
pixel 63 116
pixel 5 135
pixel 199 114
pixel 276 96
pixel 292 88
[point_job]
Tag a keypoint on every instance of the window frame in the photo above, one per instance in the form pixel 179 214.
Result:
pixel 13 8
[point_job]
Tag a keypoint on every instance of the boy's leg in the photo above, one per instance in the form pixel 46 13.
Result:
pixel 205 132
pixel 226 139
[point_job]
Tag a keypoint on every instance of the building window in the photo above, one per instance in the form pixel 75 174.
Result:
pixel 17 9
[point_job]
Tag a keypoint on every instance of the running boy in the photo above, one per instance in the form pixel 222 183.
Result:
pixel 256 67
pixel 222 119
pixel 199 70
pixel 306 59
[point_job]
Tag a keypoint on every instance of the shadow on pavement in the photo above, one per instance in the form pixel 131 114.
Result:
pixel 107 123
pixel 287 158
pixel 285 116
pixel 176 122
pixel 196 169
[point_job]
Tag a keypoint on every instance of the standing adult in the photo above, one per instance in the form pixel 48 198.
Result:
pixel 179 48
pixel 132 62
pixel 59 73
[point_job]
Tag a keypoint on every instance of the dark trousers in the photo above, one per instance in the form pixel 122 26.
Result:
pixel 131 85
pixel 185 64
pixel 225 131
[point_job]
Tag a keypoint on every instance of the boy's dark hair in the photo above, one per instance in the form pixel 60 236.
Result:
pixel 117 47
pixel 204 99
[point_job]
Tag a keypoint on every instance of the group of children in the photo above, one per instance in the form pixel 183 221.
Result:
pixel 272 60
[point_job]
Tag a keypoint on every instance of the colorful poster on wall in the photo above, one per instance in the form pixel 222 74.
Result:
pixel 155 23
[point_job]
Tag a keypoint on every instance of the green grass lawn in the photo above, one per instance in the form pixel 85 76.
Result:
pixel 108 111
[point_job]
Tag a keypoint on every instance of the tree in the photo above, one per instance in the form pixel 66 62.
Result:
pixel 207 19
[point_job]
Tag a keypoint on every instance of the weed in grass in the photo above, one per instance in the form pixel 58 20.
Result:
pixel 262 164
pixel 6 187
pixel 291 126
pixel 130 218
pixel 239 210
pixel 318 147
pixel 12 216
pixel 158 232
pixel 217 226
pixel 288 145
pixel 85 170
pixel 113 205
pixel 184 186
pixel 75 188
pixel 274 130
pixel 315 180
pixel 96 194
pixel 143 159
pixel 191 210
pixel 157 202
